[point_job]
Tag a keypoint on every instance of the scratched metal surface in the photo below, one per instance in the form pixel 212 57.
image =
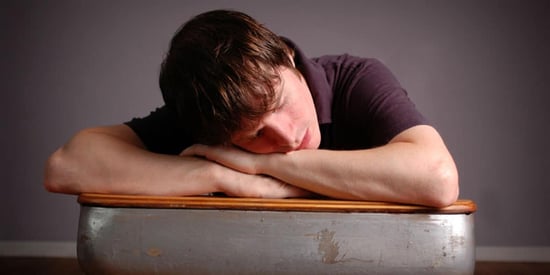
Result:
pixel 187 241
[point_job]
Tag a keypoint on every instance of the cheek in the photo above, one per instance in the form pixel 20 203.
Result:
pixel 300 112
pixel 304 103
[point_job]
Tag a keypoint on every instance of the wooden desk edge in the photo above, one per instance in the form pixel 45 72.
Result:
pixel 307 205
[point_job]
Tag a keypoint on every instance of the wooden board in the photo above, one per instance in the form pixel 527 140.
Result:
pixel 306 205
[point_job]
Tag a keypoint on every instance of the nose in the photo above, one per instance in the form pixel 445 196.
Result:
pixel 281 133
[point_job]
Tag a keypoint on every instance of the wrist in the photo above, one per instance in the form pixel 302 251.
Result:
pixel 269 163
pixel 216 176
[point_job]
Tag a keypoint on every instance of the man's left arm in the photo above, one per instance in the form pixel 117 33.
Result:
pixel 415 167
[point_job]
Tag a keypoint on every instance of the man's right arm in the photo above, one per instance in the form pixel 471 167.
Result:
pixel 112 159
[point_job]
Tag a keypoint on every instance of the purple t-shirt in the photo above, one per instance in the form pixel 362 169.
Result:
pixel 359 103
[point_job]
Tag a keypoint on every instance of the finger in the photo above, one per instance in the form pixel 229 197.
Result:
pixel 285 190
pixel 296 192
pixel 194 150
pixel 189 151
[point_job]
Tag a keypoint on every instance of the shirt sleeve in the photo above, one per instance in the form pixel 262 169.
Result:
pixel 161 132
pixel 370 107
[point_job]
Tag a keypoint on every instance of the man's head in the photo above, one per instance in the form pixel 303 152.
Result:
pixel 232 81
pixel 220 72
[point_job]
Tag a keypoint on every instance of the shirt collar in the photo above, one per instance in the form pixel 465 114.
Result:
pixel 317 82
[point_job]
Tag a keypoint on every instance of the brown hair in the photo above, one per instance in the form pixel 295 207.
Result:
pixel 220 71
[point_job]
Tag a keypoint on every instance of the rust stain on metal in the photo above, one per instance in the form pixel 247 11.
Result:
pixel 328 246
pixel 154 252
pixel 457 241
pixel 84 238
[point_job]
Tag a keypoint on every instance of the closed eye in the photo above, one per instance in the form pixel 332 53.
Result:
pixel 259 133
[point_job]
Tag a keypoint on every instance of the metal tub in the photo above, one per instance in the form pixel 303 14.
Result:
pixel 213 235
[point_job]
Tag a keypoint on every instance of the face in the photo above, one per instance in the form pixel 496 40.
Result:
pixel 291 126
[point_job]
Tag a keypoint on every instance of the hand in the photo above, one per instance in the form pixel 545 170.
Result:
pixel 228 156
pixel 239 173
pixel 259 186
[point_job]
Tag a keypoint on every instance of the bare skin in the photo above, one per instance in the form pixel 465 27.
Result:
pixel 276 159
pixel 423 172
pixel 112 159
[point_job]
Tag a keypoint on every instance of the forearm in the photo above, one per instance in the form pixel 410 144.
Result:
pixel 415 167
pixel 98 162
pixel 113 160
pixel 402 172
pixel 363 175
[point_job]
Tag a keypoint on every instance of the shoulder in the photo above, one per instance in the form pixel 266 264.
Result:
pixel 347 62
pixel 345 71
pixel 161 131
pixel 369 105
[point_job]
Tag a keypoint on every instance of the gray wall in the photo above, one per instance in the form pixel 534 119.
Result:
pixel 478 69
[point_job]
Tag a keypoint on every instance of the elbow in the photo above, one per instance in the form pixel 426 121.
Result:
pixel 63 170
pixel 56 172
pixel 443 189
pixel 52 172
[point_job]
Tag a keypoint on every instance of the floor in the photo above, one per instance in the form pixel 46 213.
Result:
pixel 504 268
pixel 47 266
